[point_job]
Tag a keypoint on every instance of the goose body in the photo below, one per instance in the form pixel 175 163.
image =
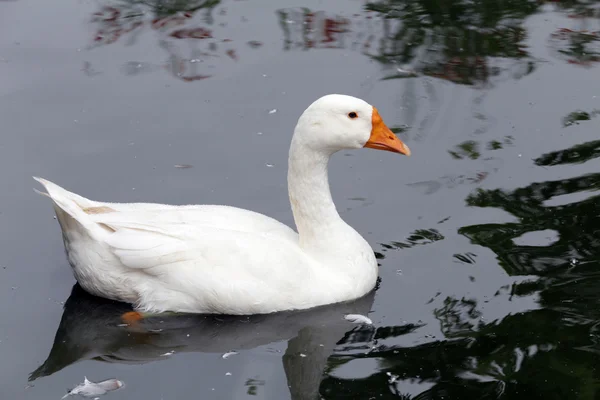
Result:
pixel 225 260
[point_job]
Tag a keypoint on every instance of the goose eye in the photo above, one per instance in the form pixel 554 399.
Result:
pixel 352 115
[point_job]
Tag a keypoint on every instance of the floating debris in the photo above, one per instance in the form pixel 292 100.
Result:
pixel 229 354
pixel 227 373
pixel 91 389
pixel 170 353
pixel 183 166
pixel 270 165
pixel 358 319
pixel 273 111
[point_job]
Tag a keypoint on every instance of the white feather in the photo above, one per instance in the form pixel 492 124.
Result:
pixel 358 319
pixel 91 389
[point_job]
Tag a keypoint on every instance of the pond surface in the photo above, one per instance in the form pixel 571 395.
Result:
pixel 488 236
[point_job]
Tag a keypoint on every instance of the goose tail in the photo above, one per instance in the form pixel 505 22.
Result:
pixel 70 208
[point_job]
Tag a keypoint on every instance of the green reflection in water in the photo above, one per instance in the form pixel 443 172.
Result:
pixel 548 353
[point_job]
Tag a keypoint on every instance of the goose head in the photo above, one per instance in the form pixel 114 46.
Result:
pixel 339 122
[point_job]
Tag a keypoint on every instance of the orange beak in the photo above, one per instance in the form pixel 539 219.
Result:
pixel 382 138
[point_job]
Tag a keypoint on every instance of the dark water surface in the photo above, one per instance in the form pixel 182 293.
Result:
pixel 488 236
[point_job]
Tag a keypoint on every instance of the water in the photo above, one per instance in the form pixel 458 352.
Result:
pixel 493 222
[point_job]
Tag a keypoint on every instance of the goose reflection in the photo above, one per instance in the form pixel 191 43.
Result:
pixel 92 328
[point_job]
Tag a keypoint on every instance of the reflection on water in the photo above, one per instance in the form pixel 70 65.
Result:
pixel 576 116
pixel 305 29
pixel 174 22
pixel 579 47
pixel 576 224
pixel 92 328
pixel 549 353
pixel 417 238
pixel 455 42
pixel 580 44
pixel 460 41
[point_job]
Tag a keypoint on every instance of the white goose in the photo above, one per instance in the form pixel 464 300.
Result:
pixel 225 260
